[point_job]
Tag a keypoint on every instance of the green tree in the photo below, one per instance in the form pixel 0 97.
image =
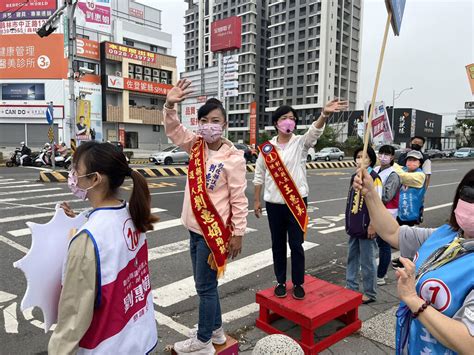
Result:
pixel 327 139
pixel 466 127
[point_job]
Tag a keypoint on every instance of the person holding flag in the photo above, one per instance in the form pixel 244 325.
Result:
pixel 281 167
pixel 214 209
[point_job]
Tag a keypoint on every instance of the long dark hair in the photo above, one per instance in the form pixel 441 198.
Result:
pixel 467 180
pixel 108 160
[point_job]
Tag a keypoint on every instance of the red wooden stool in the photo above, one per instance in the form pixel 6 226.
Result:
pixel 323 303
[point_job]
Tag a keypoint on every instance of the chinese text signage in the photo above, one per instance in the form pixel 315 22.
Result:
pixel 129 52
pixel 226 34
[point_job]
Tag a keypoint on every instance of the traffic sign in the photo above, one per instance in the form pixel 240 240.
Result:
pixel 49 114
pixel 396 7
pixel 51 134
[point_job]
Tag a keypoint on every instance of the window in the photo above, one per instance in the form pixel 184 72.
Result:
pixel 128 42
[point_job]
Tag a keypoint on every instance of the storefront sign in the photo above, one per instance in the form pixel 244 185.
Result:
pixel 87 49
pixel 20 26
pixel 115 49
pixel 24 111
pixel 136 12
pixel 22 10
pixel 32 57
pixel 226 34
pixel 148 87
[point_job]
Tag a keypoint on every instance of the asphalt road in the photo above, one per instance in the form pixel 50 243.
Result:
pixel 23 199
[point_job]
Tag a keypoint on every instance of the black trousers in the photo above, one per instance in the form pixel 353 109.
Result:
pixel 282 224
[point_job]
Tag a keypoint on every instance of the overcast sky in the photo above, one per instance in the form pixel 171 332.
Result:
pixel 436 42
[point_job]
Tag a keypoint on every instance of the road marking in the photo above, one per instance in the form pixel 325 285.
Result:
pixel 167 192
pixel 20 232
pixel 28 216
pixel 28 191
pixel 439 171
pixel 330 173
pixel 13 244
pixel 9 316
pixel 166 224
pixel 332 230
pixel 5 296
pixel 448 184
pixel 183 289
pixel 170 323
pixel 11 199
pixel 38 168
pixel 2 181
pixel 240 312
pixel 157 210
pixel 175 248
pixel 13 182
pixel 438 206
pixel 20 186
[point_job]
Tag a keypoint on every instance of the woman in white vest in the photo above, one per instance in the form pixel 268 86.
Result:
pixel 106 304
pixel 390 196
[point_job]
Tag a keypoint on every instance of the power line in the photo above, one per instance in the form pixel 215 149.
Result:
pixel 14 12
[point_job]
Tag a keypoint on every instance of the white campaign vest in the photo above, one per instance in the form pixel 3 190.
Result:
pixel 384 174
pixel 123 321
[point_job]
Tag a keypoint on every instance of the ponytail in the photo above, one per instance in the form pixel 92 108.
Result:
pixel 140 203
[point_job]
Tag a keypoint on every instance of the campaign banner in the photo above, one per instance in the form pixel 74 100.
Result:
pixel 83 120
pixel 94 14
pixel 253 124
pixel 189 110
pixel 381 130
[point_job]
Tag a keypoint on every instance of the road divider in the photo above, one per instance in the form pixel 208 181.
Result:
pixel 61 176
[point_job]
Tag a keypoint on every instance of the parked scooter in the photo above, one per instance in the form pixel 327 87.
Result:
pixel 15 159
pixel 61 159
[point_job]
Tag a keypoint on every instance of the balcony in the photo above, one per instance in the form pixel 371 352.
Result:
pixel 138 115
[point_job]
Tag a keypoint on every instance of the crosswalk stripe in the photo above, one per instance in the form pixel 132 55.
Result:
pixel 13 244
pixel 240 312
pixel 20 232
pixel 2 180
pixel 37 197
pixel 28 216
pixel 175 248
pixel 28 191
pixel 170 323
pixel 20 186
pixel 166 224
pixel 183 289
pixel 12 182
pixel 331 230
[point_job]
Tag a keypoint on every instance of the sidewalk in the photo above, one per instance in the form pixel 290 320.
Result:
pixel 377 335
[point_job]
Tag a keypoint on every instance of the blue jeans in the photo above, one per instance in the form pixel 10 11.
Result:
pixel 205 279
pixel 385 256
pixel 361 256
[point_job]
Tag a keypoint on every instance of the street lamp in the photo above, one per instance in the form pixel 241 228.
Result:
pixel 394 97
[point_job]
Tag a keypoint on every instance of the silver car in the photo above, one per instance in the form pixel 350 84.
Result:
pixel 329 153
pixel 170 155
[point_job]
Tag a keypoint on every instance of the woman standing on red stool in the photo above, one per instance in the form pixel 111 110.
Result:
pixel 281 167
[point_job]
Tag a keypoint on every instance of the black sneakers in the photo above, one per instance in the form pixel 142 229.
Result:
pixel 298 292
pixel 280 290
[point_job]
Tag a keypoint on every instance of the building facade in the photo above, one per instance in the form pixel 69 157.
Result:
pixel 33 73
pixel 252 60
pixel 313 54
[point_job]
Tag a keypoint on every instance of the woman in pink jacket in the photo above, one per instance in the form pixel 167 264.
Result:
pixel 214 209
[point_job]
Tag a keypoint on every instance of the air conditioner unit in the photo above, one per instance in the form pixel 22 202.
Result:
pixel 156 72
pixel 138 77
pixel 138 70
pixel 156 80
pixel 164 81
pixel 147 78
pixel 131 67
pixel 118 73
pixel 164 74
pixel 147 71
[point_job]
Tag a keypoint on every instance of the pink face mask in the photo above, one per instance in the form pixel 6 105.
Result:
pixel 211 132
pixel 72 181
pixel 384 159
pixel 464 212
pixel 286 126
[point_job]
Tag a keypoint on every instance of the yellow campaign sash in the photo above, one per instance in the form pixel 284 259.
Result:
pixel 285 184
pixel 215 232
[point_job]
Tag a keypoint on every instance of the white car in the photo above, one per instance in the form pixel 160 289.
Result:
pixel 311 155
pixel 329 153
pixel 170 156
pixel 464 153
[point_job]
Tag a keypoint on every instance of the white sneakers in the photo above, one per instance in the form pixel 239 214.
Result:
pixel 194 346
pixel 381 281
pixel 218 336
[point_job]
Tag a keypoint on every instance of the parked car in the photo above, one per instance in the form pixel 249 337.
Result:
pixel 449 152
pixel 250 154
pixel 464 153
pixel 170 155
pixel 434 153
pixel 329 153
